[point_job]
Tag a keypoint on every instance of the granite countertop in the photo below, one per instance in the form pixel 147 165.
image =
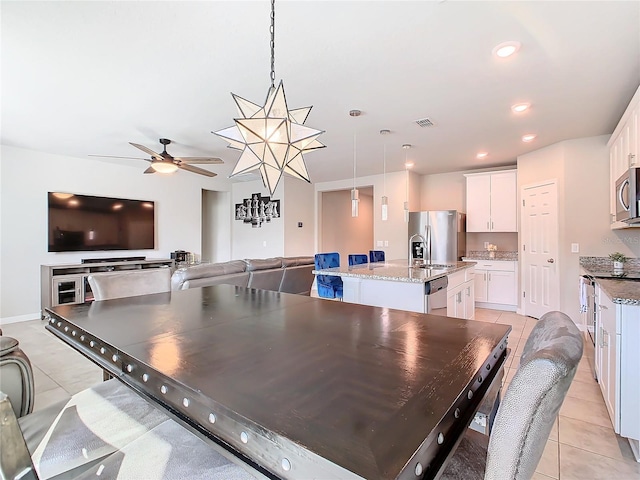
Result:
pixel 499 256
pixel 395 270
pixel 625 292
pixel 621 290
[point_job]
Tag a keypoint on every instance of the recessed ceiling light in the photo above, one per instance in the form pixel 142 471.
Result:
pixel 528 137
pixel 481 155
pixel 506 49
pixel 409 164
pixel 520 107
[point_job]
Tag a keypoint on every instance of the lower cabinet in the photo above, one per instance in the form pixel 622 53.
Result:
pixel 460 294
pixel 67 289
pixel 496 283
pixel 617 357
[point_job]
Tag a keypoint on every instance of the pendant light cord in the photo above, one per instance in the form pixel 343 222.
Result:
pixel 384 171
pixel 272 30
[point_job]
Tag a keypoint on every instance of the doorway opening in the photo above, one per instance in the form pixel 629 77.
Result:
pixel 338 230
pixel 216 226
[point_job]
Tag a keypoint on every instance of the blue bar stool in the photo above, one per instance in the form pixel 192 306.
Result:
pixel 376 256
pixel 357 259
pixel 329 286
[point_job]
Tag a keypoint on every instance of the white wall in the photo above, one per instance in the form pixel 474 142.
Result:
pixel 26 177
pixel 260 242
pixel 298 207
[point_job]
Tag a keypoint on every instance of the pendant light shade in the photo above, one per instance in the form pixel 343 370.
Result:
pixel 384 206
pixel 406 147
pixel 355 195
pixel 272 138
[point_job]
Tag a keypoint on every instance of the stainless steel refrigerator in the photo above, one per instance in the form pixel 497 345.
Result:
pixel 444 233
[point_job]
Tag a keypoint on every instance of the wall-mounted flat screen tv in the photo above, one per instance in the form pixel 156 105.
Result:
pixel 87 223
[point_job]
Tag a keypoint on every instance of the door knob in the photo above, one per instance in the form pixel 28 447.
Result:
pixel 551 260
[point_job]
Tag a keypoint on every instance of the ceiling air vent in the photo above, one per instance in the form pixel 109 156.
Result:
pixel 424 122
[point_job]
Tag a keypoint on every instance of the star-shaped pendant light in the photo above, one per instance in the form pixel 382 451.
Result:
pixel 272 138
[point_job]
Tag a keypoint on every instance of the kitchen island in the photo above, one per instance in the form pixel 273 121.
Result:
pixel 394 284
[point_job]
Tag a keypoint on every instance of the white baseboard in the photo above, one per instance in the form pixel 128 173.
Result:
pixel 496 306
pixel 19 318
pixel 635 448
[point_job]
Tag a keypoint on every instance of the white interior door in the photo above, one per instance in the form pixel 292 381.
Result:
pixel 540 267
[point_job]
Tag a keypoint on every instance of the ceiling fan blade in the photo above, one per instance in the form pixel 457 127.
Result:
pixel 114 156
pixel 147 150
pixel 149 170
pixel 191 160
pixel 192 169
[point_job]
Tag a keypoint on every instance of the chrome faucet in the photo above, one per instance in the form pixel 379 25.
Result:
pixel 424 247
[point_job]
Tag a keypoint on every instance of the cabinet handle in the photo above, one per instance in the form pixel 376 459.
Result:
pixel 489 277
pixel 468 291
pixel 485 277
pixel 487 225
pixel 491 225
pixel 605 343
pixel 631 159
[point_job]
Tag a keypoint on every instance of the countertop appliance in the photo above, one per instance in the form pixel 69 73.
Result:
pixel 444 234
pixel 628 196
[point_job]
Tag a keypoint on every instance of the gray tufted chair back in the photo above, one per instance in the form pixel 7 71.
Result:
pixel 130 283
pixel 533 399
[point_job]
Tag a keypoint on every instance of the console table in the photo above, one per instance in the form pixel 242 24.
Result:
pixel 300 386
pixel 67 284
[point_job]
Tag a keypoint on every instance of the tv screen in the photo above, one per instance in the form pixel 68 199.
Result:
pixel 86 223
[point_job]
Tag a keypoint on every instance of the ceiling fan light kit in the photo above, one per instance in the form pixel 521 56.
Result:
pixel 272 138
pixel 166 163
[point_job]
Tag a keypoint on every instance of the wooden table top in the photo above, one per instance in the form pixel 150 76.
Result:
pixel 299 385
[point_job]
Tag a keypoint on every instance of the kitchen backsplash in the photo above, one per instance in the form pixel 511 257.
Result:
pixel 605 263
pixel 484 255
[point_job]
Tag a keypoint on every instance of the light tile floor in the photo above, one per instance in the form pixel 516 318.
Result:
pixel 582 444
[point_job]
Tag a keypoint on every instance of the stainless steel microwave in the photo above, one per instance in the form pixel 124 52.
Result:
pixel 627 198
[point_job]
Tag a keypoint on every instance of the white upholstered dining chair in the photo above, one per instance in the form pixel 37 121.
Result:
pixel 130 283
pixel 528 410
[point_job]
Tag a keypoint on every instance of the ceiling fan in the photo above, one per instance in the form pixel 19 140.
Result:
pixel 166 163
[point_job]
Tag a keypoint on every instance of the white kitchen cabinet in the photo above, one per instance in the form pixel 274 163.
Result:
pixel 492 201
pixel 495 284
pixel 617 357
pixel 624 150
pixel 460 294
pixel 606 355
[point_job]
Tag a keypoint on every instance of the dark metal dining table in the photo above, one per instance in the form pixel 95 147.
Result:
pixel 299 387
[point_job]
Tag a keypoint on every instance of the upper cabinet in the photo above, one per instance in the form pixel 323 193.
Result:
pixel 624 147
pixel 491 201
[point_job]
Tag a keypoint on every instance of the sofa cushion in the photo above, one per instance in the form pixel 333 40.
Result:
pixel 206 270
pixel 263 264
pixel 296 261
pixel 238 279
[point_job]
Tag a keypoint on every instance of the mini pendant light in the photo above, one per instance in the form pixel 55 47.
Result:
pixel 355 200
pixel 406 147
pixel 384 207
